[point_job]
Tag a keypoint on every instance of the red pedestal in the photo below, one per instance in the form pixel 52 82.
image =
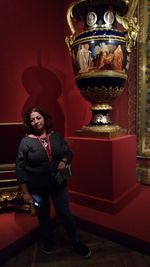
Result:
pixel 104 172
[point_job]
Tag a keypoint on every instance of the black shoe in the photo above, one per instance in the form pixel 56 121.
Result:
pixel 82 249
pixel 47 247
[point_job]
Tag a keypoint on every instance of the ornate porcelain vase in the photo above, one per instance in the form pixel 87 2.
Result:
pixel 102 36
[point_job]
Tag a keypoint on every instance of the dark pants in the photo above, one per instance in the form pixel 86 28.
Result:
pixel 60 201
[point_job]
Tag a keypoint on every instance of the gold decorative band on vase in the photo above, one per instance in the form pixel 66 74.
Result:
pixel 101 54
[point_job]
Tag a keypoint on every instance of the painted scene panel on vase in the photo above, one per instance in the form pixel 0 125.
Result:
pixel 100 56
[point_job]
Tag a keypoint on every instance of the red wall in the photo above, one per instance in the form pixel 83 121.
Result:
pixel 36 65
pixel 32 58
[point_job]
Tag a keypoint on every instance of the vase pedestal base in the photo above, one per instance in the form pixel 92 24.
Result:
pixel 101 131
pixel 104 172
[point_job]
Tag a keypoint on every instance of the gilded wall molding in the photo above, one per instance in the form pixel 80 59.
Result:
pixel 132 93
pixel 10 123
pixel 143 174
pixel 143 93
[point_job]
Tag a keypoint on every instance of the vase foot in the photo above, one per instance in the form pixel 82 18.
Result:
pixel 101 131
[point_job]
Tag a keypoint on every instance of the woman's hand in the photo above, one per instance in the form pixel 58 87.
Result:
pixel 27 197
pixel 25 194
pixel 62 165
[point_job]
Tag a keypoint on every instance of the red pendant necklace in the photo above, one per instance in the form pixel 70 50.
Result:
pixel 45 143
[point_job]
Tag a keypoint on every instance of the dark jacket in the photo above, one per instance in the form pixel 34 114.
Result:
pixel 32 163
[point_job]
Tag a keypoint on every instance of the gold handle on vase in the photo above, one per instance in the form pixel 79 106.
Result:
pixel 69 40
pixel 130 23
pixel 70 18
pixel 132 8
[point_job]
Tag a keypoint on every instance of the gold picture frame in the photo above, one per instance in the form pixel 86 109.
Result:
pixel 143 92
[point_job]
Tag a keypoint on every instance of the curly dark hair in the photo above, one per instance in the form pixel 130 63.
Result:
pixel 26 119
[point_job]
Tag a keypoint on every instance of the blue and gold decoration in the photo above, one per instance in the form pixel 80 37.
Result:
pixel 100 56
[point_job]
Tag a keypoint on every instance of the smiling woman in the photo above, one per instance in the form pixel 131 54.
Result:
pixel 42 155
pixel 37 122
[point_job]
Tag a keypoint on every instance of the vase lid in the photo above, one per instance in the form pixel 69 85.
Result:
pixel 85 6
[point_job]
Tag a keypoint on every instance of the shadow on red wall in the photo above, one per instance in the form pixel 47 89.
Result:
pixel 44 89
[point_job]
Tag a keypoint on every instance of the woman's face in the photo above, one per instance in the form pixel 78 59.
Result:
pixel 37 121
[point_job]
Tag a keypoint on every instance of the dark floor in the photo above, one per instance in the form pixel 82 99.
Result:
pixel 105 253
